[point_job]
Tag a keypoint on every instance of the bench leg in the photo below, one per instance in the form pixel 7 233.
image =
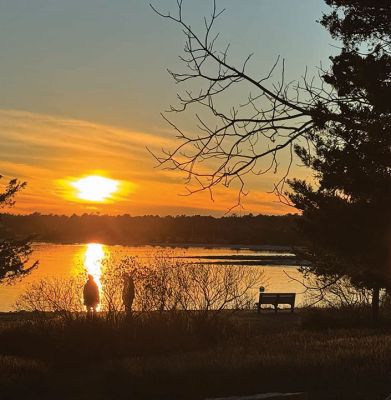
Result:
pixel 275 308
pixel 292 308
pixel 259 304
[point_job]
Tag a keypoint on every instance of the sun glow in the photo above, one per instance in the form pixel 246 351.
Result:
pixel 95 188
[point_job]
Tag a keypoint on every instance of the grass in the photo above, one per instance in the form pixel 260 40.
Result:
pixel 172 357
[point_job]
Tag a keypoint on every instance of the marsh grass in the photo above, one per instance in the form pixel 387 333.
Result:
pixel 63 340
pixel 168 356
pixel 344 317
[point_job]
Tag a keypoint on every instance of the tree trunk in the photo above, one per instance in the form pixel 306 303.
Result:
pixel 375 303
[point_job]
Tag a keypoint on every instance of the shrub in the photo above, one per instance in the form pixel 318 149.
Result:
pixel 162 284
pixel 52 295
pixel 168 284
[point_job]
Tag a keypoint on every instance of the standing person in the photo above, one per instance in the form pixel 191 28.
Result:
pixel 91 295
pixel 128 293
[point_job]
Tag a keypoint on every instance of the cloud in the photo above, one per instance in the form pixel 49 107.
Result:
pixel 46 150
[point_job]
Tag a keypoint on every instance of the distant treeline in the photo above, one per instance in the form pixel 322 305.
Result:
pixel 150 229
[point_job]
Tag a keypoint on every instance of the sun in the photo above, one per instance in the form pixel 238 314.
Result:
pixel 95 188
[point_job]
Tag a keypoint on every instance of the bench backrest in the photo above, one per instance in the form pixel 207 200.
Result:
pixel 277 298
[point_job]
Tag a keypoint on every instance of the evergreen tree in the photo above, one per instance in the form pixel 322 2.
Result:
pixel 347 216
pixel 14 253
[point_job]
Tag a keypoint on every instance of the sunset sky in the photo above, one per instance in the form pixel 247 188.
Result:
pixel 83 84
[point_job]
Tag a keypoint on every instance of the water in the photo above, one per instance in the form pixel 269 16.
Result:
pixel 66 261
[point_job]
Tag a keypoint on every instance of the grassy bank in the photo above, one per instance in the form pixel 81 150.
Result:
pixel 171 357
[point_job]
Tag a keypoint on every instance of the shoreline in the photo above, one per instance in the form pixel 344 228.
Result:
pixel 253 247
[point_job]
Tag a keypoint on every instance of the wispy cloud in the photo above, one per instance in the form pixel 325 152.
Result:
pixel 47 150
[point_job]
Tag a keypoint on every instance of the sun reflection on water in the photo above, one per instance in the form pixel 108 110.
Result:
pixel 94 255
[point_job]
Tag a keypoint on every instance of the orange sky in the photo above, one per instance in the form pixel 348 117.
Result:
pixel 83 85
pixel 50 152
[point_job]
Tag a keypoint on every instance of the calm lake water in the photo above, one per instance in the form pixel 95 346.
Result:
pixel 65 261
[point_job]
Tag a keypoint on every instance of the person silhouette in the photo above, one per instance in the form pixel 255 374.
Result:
pixel 91 295
pixel 128 291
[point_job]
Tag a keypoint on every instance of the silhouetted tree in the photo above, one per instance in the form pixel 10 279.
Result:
pixel 348 214
pixel 338 124
pixel 248 136
pixel 14 253
pixel 124 229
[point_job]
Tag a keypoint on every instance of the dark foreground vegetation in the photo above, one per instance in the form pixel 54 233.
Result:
pixel 329 354
pixel 152 229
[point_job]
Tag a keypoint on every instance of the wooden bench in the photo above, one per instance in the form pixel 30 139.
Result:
pixel 275 299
